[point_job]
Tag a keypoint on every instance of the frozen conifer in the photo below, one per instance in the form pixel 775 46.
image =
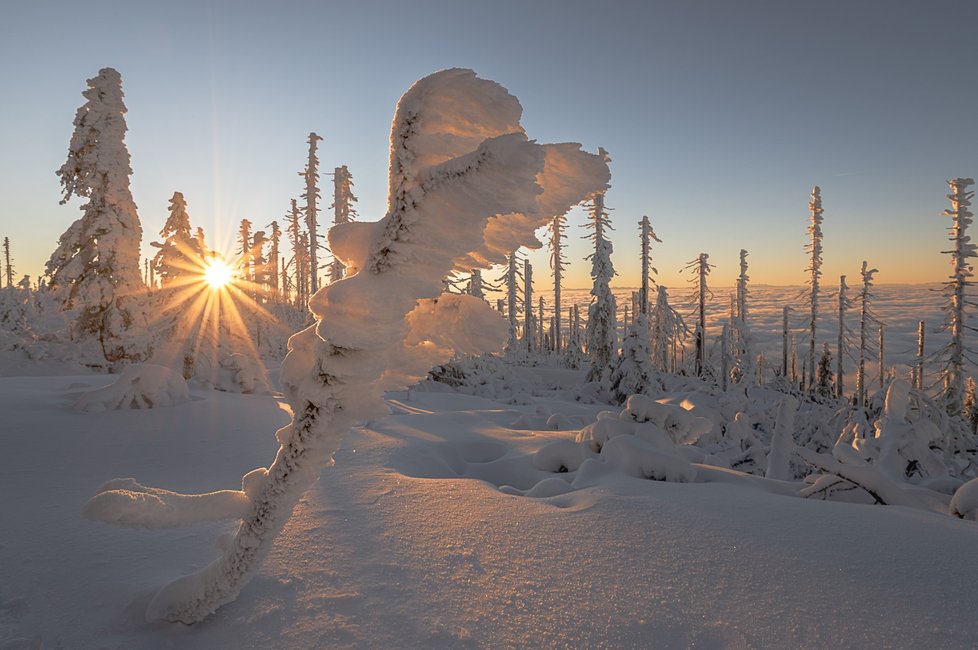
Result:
pixel 343 210
pixel 842 345
pixel 311 175
pixel 814 248
pixel 634 373
pixel 8 268
pixel 700 267
pixel 178 260
pixel 668 330
pixel 600 337
pixel 95 267
pixel 866 319
pixel 824 383
pixel 274 255
pixel 953 355
pixel 647 237
pixel 556 230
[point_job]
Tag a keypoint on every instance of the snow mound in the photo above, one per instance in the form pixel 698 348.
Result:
pixel 124 502
pixel 140 386
pixel 241 373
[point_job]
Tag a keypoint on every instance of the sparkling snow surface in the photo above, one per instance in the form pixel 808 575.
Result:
pixel 409 542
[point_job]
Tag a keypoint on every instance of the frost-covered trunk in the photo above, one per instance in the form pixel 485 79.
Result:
pixel 953 354
pixel 512 298
pixel 343 211
pixel 601 336
pixel 815 269
pixel 918 379
pixel 882 356
pixel 784 341
pixel 724 356
pixel 557 228
pixel 701 269
pixel 8 269
pixel 311 176
pixel 865 318
pixel 842 344
pixel 647 234
pixel 528 329
pixel 386 325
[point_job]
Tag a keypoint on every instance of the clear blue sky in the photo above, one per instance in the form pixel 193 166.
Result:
pixel 719 116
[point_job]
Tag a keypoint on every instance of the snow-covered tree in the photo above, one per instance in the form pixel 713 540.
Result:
pixel 745 361
pixel 460 163
pixel 556 229
pixel 245 251
pixel 178 259
pixel 814 248
pixel 700 267
pixel 512 281
pixel 970 406
pixel 918 369
pixel 8 268
pixel 845 334
pixel 866 318
pixel 668 330
pixel 274 255
pixel 300 256
pixel 647 236
pixel 311 175
pixel 824 383
pixel 343 210
pixel 600 336
pixel 953 355
pixel 634 373
pixel 529 331
pixel 95 268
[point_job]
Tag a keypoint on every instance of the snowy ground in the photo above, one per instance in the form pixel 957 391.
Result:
pixel 409 542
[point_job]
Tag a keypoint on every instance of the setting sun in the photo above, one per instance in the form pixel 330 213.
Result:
pixel 217 273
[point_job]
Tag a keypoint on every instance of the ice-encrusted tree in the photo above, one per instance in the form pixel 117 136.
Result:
pixel 95 268
pixel 300 254
pixel 953 355
pixel 845 334
pixel 633 372
pixel 668 330
pixel 274 257
pixel 178 259
pixel 600 337
pixel 245 251
pixel 463 178
pixel 824 383
pixel 700 268
pixel 529 331
pixel 343 210
pixel 513 302
pixel 866 318
pixel 556 229
pixel 8 268
pixel 745 361
pixel 814 248
pixel 311 176
pixel 647 236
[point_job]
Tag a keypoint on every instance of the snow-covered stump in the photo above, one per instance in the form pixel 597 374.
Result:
pixel 782 441
pixel 467 187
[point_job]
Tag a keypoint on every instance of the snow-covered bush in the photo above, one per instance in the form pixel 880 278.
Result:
pixel 139 386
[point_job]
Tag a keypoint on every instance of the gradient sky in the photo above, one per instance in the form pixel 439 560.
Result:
pixel 719 116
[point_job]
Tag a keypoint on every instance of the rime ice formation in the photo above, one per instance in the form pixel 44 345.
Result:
pixel 467 187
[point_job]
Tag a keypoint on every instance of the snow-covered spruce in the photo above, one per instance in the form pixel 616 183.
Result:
pixel 95 268
pixel 953 354
pixel 600 339
pixel 633 372
pixel 465 185
pixel 814 248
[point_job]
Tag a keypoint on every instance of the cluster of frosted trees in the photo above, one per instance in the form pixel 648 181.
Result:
pixel 95 272
pixel 657 331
